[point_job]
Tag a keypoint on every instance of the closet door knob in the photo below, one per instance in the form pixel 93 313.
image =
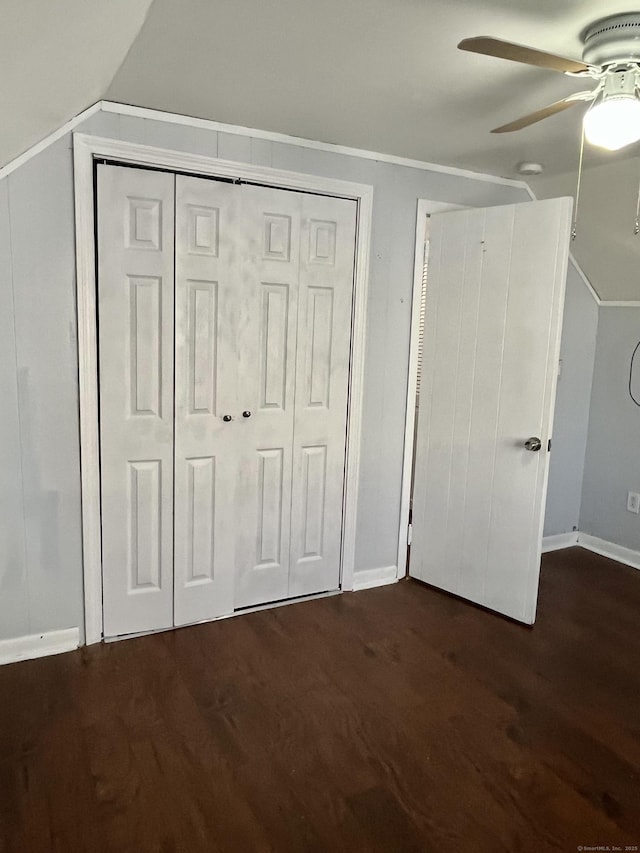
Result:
pixel 227 418
pixel 246 414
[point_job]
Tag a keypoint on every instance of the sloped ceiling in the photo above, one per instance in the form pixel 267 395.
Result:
pixel 384 75
pixel 57 58
pixel 606 246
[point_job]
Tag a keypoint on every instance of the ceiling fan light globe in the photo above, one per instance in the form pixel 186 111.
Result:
pixel 613 123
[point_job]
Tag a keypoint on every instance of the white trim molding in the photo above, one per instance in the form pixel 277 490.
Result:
pixel 39 645
pixel 613 304
pixel 86 150
pixel 368 578
pixel 425 209
pixel 609 549
pixel 27 155
pixel 585 280
pixel 272 136
pixel 256 133
pixel 559 541
pixel 619 553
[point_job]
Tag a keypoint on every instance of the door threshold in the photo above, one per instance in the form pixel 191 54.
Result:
pixel 239 612
pixel 282 602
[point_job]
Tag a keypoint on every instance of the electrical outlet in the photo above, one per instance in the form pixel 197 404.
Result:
pixel 633 502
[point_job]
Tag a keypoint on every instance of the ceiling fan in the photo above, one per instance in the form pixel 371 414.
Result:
pixel 611 58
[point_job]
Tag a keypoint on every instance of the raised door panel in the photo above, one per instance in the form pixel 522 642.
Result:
pixel 206 451
pixel 270 508
pixel 144 511
pixel 202 346
pixel 313 507
pixel 201 521
pixel 135 311
pixel 322 379
pixel 144 375
pixel 266 341
pixel 273 356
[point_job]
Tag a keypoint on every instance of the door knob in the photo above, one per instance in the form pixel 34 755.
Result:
pixel 533 444
pixel 246 414
pixel 227 418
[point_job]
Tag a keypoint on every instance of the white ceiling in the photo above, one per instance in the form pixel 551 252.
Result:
pixel 56 58
pixel 379 74
pixel 384 75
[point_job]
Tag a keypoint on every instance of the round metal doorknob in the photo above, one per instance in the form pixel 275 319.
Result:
pixel 227 418
pixel 246 414
pixel 533 444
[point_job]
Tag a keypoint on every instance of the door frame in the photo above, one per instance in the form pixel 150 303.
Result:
pixel 87 149
pixel 425 208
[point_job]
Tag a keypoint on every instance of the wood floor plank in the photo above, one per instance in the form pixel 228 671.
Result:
pixel 395 719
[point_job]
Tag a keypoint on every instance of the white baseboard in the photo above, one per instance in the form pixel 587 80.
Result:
pixel 375 577
pixel 39 645
pixel 559 541
pixel 591 543
pixel 610 549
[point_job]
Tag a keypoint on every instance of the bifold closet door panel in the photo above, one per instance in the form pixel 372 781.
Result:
pixel 269 245
pixel 206 452
pixel 135 235
pixel 322 381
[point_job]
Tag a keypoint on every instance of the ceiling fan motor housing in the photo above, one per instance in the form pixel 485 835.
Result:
pixel 613 40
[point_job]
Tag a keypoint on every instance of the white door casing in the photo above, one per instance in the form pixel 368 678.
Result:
pixel 426 207
pixel 492 335
pixel 86 150
pixel 135 303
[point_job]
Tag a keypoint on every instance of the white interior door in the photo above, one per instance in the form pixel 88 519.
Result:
pixel 267 308
pixel 494 301
pixel 135 306
pixel 322 379
pixel 293 340
pixel 206 372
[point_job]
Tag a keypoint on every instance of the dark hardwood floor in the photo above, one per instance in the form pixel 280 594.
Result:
pixel 396 719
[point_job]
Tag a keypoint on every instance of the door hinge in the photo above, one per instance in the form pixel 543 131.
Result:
pixel 549 445
pixel 409 532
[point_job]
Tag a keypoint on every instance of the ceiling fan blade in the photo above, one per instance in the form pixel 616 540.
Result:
pixel 519 53
pixel 538 115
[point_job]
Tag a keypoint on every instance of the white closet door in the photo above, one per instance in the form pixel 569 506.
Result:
pixel 207 292
pixel 135 314
pixel 322 379
pixel 224 488
pixel 265 327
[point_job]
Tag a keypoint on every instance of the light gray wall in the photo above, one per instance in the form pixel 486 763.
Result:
pixel 40 580
pixel 568 447
pixel 40 562
pixel 613 450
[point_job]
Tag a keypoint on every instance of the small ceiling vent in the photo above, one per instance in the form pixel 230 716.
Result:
pixel 529 168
